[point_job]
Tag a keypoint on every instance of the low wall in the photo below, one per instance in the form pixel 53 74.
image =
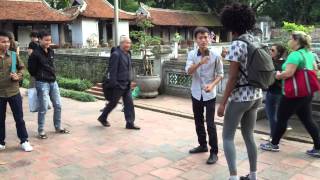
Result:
pixel 92 68
pixel 177 83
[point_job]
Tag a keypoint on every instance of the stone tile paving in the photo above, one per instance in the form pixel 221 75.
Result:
pixel 158 151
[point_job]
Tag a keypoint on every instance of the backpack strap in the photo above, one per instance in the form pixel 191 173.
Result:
pixel 241 70
pixel 13 62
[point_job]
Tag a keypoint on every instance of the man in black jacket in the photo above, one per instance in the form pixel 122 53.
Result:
pixel 118 82
pixel 41 67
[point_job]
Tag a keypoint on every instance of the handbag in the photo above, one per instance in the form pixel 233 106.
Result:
pixel 107 90
pixel 33 100
pixel 304 83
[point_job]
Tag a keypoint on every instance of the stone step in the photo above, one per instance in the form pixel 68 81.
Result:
pixel 97 88
pixel 93 92
pixel 99 85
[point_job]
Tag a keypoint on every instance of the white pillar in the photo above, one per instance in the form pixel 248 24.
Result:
pixel 55 33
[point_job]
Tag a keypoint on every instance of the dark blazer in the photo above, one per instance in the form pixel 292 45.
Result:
pixel 119 70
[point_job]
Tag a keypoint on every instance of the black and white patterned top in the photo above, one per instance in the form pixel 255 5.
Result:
pixel 239 53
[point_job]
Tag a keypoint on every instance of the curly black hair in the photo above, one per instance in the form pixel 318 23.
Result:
pixel 238 18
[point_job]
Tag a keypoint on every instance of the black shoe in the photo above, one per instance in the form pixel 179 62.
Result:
pixel 132 127
pixel 104 123
pixel 213 158
pixel 199 149
pixel 245 177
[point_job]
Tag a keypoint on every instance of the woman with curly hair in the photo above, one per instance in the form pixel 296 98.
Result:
pixel 241 102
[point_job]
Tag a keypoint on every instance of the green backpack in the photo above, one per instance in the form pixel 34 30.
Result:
pixel 260 66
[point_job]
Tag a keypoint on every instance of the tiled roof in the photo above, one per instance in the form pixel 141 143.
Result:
pixel 168 17
pixel 30 10
pixel 102 9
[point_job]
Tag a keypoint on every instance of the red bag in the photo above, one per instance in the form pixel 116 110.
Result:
pixel 303 83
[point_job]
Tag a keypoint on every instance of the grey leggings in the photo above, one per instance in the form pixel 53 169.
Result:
pixel 246 114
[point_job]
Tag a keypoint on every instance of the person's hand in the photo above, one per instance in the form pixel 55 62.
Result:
pixel 221 110
pixel 14 76
pixel 204 60
pixel 278 75
pixel 208 88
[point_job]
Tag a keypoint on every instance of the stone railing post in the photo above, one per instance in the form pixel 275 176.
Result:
pixel 162 54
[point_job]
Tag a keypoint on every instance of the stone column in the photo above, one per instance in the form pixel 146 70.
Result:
pixel 62 38
pixel 161 55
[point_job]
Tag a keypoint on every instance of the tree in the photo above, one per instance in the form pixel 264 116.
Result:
pixel 59 4
pixel 144 42
pixel 299 11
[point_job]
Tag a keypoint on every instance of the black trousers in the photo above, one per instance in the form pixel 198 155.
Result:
pixel 114 98
pixel 303 108
pixel 15 103
pixel 198 111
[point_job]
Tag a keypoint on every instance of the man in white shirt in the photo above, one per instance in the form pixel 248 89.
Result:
pixel 206 68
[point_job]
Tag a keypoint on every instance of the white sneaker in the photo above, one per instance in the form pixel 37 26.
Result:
pixel 2 147
pixel 26 146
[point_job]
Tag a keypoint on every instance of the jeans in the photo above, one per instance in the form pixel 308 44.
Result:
pixel 272 106
pixel 129 111
pixel 303 108
pixel 15 103
pixel 46 90
pixel 198 110
pixel 244 113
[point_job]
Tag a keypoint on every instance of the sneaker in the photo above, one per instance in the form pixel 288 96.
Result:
pixel 270 147
pixel 26 146
pixel 2 147
pixel 245 177
pixel 314 153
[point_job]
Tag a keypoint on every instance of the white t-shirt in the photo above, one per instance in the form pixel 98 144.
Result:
pixel 239 53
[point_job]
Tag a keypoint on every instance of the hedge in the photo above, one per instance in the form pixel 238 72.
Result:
pixel 76 95
pixel 74 84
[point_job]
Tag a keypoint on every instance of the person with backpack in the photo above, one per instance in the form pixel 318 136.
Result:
pixel 11 70
pixel 274 93
pixel 300 59
pixel 251 70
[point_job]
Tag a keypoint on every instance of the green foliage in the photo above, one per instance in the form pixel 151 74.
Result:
pixel 59 4
pixel 74 84
pixel 298 11
pixel 290 27
pixel 127 5
pixel 76 95
pixel 25 83
pixel 144 41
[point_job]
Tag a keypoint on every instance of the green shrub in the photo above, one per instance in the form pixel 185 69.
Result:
pixel 25 83
pixel 74 84
pixel 76 95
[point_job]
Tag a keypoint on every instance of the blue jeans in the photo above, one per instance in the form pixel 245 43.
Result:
pixel 45 91
pixel 272 106
pixel 15 103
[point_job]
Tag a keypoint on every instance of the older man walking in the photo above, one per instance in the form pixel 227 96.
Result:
pixel 118 84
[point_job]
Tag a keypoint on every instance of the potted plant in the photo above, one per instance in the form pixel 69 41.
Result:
pixel 148 82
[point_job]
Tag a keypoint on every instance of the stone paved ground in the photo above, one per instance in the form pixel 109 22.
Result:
pixel 158 151
pixel 182 107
